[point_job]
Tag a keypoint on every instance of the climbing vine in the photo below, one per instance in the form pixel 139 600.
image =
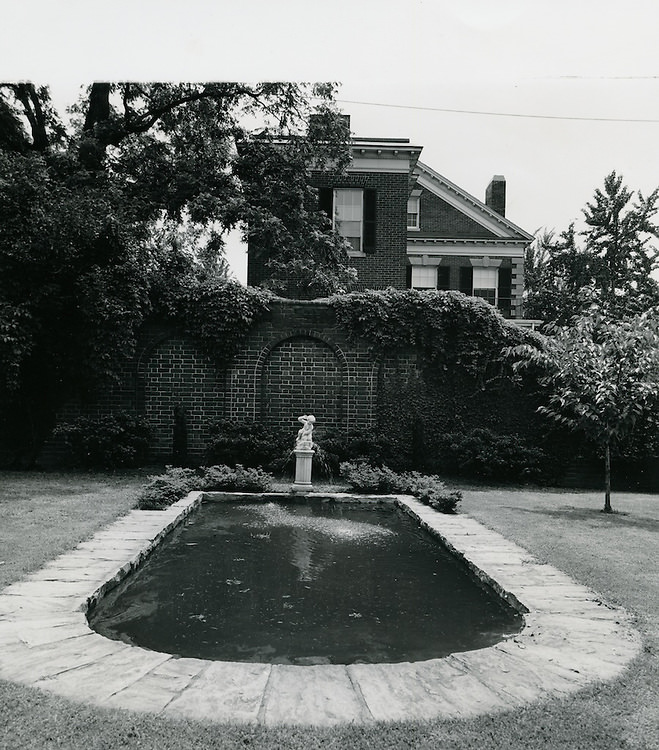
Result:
pixel 449 328
pixel 218 314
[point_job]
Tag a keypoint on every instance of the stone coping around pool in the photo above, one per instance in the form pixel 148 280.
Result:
pixel 570 638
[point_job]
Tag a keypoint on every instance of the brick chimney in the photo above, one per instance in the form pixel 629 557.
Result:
pixel 495 195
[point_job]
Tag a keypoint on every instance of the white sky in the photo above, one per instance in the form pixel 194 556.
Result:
pixel 556 58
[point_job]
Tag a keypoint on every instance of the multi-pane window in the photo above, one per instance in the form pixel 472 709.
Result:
pixel 424 277
pixel 353 212
pixel 348 215
pixel 413 213
pixel 485 284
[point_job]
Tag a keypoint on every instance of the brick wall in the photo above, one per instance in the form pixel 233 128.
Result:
pixel 173 373
pixel 387 266
pixel 437 218
pixel 296 361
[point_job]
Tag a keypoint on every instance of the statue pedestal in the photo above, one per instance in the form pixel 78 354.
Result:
pixel 303 458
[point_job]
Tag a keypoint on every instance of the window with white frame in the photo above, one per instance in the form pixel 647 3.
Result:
pixel 424 277
pixel 348 215
pixel 413 212
pixel 485 284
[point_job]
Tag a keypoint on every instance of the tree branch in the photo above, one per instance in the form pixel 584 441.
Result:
pixel 28 97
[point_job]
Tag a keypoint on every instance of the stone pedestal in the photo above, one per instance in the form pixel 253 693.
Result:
pixel 303 458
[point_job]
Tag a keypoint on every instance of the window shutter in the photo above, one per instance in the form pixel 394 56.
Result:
pixel 408 277
pixel 467 280
pixel 370 197
pixel 326 201
pixel 505 290
pixel 443 277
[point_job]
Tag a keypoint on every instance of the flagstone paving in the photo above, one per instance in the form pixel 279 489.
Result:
pixel 571 638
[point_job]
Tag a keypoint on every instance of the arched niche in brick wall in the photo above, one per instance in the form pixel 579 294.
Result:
pixel 302 373
pixel 173 374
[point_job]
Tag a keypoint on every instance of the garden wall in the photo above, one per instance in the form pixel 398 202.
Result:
pixel 299 360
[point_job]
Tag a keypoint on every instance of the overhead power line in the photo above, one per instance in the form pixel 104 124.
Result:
pixel 499 114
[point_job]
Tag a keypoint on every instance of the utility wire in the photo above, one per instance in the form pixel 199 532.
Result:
pixel 498 114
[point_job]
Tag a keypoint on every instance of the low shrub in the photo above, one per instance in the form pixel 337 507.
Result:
pixel 165 489
pixel 238 479
pixel 358 444
pixel 110 441
pixel 430 489
pixel 252 444
pixel 484 454
pixel 364 477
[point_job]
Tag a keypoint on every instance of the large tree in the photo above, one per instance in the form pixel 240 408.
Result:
pixel 601 378
pixel 91 219
pixel 609 264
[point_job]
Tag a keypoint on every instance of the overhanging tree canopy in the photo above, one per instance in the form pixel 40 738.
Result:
pixel 78 207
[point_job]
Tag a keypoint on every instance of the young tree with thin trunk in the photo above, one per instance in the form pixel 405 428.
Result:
pixel 601 377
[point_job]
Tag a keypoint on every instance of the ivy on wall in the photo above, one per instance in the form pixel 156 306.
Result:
pixel 219 315
pixel 448 328
pixel 443 367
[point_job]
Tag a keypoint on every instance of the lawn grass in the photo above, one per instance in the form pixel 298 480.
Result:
pixel 45 514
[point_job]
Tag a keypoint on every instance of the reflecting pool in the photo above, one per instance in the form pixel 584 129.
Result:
pixel 304 583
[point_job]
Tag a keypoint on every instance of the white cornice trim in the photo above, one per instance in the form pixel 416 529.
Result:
pixel 475 241
pixel 467 250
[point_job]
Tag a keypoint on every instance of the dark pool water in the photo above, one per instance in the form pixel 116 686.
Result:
pixel 303 583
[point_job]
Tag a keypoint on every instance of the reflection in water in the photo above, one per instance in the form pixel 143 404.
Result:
pixel 305 530
pixel 273 514
pixel 303 583
pixel 301 555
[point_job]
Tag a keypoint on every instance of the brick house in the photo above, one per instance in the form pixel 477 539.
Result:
pixel 410 227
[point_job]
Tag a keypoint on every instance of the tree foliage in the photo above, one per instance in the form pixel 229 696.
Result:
pixel 98 219
pixel 288 233
pixel 601 377
pixel 609 264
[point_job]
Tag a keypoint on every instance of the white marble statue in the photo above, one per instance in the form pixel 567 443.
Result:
pixel 303 441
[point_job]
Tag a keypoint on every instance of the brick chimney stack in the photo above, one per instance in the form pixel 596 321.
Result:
pixel 495 195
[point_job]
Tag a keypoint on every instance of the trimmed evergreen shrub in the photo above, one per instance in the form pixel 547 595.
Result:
pixel 107 442
pixel 430 489
pixel 165 489
pixel 356 444
pixel 238 479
